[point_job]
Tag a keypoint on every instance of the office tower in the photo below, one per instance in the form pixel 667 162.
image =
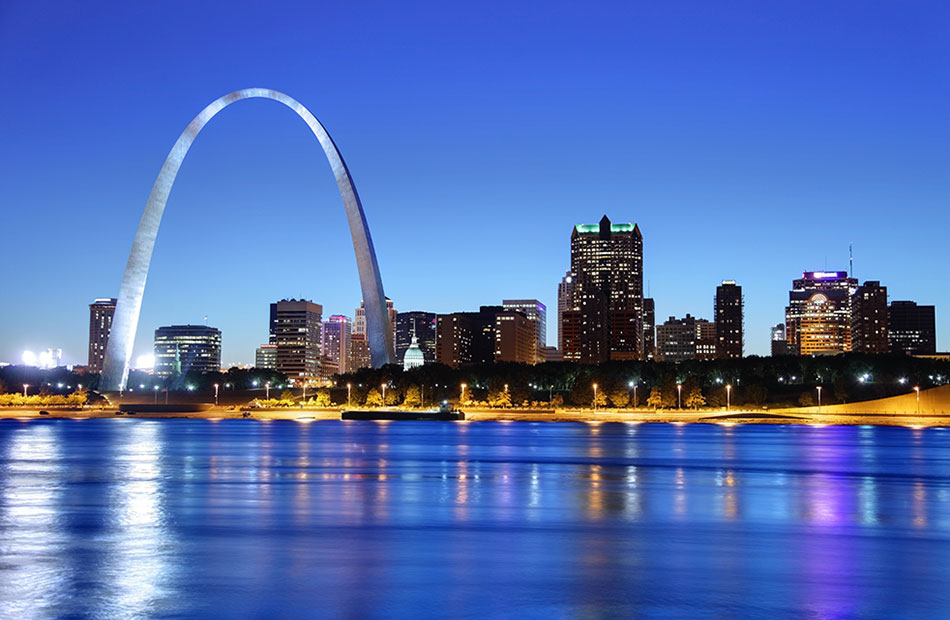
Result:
pixel 537 313
pixel 676 339
pixel 266 357
pixel 706 340
pixel 728 313
pixel 100 322
pixel 359 318
pixel 516 337
pixel 420 324
pixel 649 328
pixel 335 343
pixel 180 349
pixel 295 327
pixel 551 354
pixel 912 328
pixel 869 318
pixel 565 296
pixel 605 316
pixel 467 337
pixel 818 316
pixel 359 353
pixel 779 345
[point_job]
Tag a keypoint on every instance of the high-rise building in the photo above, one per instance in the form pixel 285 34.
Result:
pixel 359 318
pixel 516 338
pixel 728 312
pixel 676 339
pixel 359 353
pixel 418 324
pixel 266 357
pixel 467 337
pixel 100 322
pixel 649 328
pixel 912 328
pixel 295 327
pixel 335 343
pixel 818 316
pixel 605 316
pixel 706 340
pixel 537 313
pixel 869 318
pixel 565 297
pixel 779 345
pixel 187 348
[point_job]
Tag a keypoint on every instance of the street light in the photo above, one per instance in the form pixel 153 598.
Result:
pixel 155 394
pixel 349 389
pixel 462 396
pixel 215 394
pixel 267 391
pixel 679 395
pixel 917 389
pixel 506 391
pixel 633 384
pixel 384 394
pixel 819 398
pixel 25 385
pixel 728 396
pixel 595 397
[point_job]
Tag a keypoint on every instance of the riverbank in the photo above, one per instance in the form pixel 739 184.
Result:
pixel 727 418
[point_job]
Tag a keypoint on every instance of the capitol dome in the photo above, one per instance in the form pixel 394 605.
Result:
pixel 414 356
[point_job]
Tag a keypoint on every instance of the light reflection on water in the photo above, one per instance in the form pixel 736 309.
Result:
pixel 122 518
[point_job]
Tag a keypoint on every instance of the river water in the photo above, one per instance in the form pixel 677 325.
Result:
pixel 126 518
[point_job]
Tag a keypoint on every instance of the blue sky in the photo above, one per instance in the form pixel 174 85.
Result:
pixel 750 141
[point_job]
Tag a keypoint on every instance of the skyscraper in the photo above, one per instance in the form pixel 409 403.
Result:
pixel 515 338
pixel 469 337
pixel 266 357
pixel 420 324
pixel 818 316
pixel 912 328
pixel 649 328
pixel 779 345
pixel 335 342
pixel 565 296
pixel 676 338
pixel 604 319
pixel 295 327
pixel 728 312
pixel 100 322
pixel 187 348
pixel 537 313
pixel 869 318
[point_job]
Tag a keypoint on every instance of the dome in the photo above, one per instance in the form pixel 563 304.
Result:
pixel 414 356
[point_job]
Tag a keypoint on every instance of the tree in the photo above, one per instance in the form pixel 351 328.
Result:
pixel 392 396
pixel 619 395
pixel 557 401
pixel 374 398
pixel 806 399
pixel 756 394
pixel 600 399
pixel 287 397
pixel 413 397
pixel 499 397
pixel 694 397
pixel 716 396
pixel 655 399
pixel 323 398
pixel 669 393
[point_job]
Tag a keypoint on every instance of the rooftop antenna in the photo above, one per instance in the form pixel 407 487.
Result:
pixel 851 259
pixel 206 320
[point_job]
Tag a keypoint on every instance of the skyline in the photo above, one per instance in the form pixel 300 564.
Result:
pixel 830 137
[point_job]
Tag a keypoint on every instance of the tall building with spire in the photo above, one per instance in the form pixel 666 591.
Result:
pixel 604 316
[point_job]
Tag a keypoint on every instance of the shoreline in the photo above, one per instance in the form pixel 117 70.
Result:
pixel 721 417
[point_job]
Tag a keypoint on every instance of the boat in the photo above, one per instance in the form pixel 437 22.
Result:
pixel 444 412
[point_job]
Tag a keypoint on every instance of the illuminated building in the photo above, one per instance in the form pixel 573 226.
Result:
pixel 565 295
pixel 266 357
pixel 649 328
pixel 603 320
pixel 359 353
pixel 485 336
pixel 359 318
pixel 728 313
pixel 912 328
pixel 180 349
pixel 335 343
pixel 418 324
pixel 537 313
pixel 869 318
pixel 515 338
pixel 684 339
pixel 779 345
pixel 100 322
pixel 295 327
pixel 818 315
pixel 413 356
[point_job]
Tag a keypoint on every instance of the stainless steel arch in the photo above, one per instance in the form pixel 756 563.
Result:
pixel 115 369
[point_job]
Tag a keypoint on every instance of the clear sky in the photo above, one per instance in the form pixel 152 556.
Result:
pixel 750 141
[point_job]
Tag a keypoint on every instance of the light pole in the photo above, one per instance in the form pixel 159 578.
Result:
pixel 155 393
pixel 303 398
pixel 384 394
pixel 679 395
pixel 267 391
pixel 819 398
pixel 215 394
pixel 349 390
pixel 917 389
pixel 728 396
pixel 462 396
pixel 506 392
pixel 595 398
pixel 633 384
pixel 25 385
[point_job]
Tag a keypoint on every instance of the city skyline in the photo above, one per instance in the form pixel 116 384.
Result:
pixel 795 165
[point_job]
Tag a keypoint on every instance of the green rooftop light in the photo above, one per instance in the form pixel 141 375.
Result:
pixel 595 228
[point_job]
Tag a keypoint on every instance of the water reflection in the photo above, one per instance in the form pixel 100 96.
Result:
pixel 138 517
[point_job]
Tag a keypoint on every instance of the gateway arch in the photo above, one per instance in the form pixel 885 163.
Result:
pixel 118 355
